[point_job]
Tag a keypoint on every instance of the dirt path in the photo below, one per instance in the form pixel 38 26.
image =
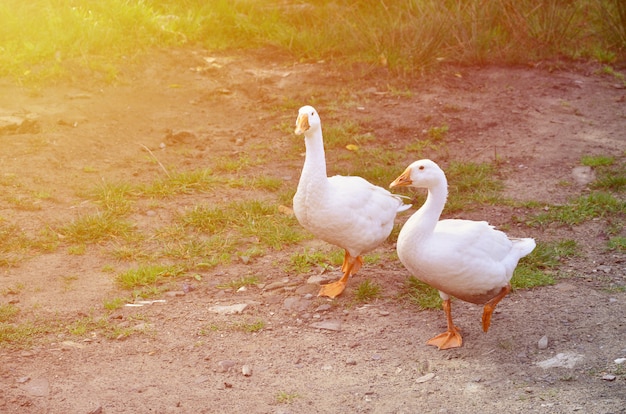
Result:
pixel 314 355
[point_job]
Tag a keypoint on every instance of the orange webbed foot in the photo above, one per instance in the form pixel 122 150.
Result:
pixel 450 339
pixel 332 290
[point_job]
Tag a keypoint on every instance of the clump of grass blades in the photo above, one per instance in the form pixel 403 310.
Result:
pixel 249 218
pixel 186 182
pixel 366 291
pixel 421 294
pixel 147 276
pixel 583 208
pixel 93 228
pixel 14 244
pixel 43 39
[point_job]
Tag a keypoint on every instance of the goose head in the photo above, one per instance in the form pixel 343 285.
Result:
pixel 308 120
pixel 420 174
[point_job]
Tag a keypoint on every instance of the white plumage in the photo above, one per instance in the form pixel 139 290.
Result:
pixel 346 211
pixel 469 260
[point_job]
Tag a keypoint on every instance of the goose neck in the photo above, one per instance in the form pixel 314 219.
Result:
pixel 315 161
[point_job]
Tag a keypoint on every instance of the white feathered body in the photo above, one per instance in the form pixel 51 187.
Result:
pixel 346 211
pixel 470 260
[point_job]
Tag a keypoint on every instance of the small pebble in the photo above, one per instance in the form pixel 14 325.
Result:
pixel 246 370
pixel 225 365
pixel 425 378
pixel 609 377
pixel 543 342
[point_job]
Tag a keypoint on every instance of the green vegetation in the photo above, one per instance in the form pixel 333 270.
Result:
pixel 147 276
pixel 284 397
pixel 248 327
pixel 239 283
pixel 580 209
pixel 93 228
pixel 421 294
pixel 537 268
pixel 47 39
pixel 366 291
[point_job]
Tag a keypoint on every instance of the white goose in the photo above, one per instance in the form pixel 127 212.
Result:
pixel 469 260
pixel 348 212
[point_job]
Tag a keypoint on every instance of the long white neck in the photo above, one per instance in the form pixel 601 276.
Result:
pixel 314 169
pixel 422 223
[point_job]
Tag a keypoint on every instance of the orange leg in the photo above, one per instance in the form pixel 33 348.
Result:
pixel 491 305
pixel 350 266
pixel 450 338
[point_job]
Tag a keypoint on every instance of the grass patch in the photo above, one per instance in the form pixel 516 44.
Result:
pixel 617 243
pixel 249 219
pixel 579 210
pixel 597 160
pixel 94 228
pixel 144 276
pixel 301 262
pixel 421 294
pixel 14 244
pixel 367 291
pixel 7 312
pixel 284 397
pixel 102 326
pixel 248 327
pixel 239 283
pixel 42 40
pixel 537 268
pixel 186 182
pixel 114 198
pixel 20 335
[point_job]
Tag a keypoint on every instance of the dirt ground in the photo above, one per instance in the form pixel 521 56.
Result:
pixel 314 355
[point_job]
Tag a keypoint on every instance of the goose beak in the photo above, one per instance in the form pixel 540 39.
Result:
pixel 302 124
pixel 404 180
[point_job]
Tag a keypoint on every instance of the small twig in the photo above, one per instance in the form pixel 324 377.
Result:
pixel 157 160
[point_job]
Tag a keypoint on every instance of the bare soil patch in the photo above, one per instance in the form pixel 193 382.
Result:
pixel 368 358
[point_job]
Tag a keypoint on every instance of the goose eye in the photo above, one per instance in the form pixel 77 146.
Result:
pixel 421 167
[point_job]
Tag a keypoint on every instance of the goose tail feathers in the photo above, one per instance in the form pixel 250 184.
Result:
pixel 523 246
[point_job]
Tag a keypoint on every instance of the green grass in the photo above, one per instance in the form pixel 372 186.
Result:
pixel 186 182
pixel 7 312
pixel 114 198
pixel 597 160
pixel 421 294
pixel 145 276
pixel 284 397
pixel 580 209
pixel 248 327
pixel 367 291
pixel 617 243
pixel 301 262
pixel 20 334
pixel 249 218
pixel 44 40
pixel 537 269
pixel 14 244
pixel 101 325
pixel 239 283
pixel 93 228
